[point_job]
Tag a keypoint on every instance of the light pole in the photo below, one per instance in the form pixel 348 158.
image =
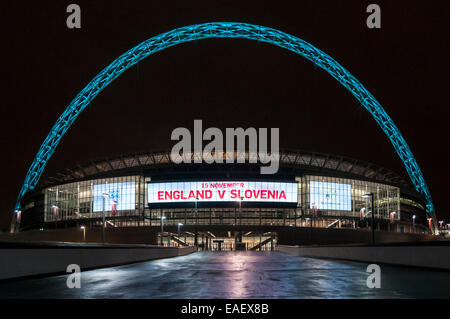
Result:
pixel 309 219
pixel 414 223
pixel 103 217
pixel 240 208
pixel 313 213
pixel 195 211
pixel 240 219
pixel 162 228
pixel 196 222
pixel 84 232
pixel 373 215
pixel 18 214
pixel 179 225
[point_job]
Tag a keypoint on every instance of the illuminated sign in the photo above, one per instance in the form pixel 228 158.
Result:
pixel 118 196
pixel 331 196
pixel 222 191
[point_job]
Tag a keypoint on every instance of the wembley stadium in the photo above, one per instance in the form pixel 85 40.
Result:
pixel 222 206
pixel 313 198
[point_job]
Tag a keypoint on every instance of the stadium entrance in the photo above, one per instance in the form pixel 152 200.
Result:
pixel 221 240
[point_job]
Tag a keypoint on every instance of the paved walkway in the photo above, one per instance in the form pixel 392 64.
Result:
pixel 237 275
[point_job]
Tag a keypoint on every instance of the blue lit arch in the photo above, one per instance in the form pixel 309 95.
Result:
pixel 223 30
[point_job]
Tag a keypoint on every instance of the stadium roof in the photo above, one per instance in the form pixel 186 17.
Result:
pixel 312 161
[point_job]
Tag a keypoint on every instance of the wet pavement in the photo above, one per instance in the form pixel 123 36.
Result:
pixel 237 275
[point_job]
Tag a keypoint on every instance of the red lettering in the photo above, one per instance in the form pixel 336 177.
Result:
pixel 264 194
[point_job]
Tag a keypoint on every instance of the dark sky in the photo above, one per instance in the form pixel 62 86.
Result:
pixel 225 82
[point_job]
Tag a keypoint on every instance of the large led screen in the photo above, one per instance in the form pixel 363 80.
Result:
pixel 330 196
pixel 119 196
pixel 222 191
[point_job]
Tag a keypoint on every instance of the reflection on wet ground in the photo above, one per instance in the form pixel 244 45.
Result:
pixel 237 275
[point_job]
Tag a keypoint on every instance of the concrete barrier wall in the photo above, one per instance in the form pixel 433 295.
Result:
pixel 428 256
pixel 336 236
pixel 119 235
pixel 23 262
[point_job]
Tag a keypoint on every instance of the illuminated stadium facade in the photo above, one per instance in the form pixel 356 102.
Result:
pixel 309 190
pixel 330 190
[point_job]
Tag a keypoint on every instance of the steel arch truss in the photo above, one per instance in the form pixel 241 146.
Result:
pixel 223 30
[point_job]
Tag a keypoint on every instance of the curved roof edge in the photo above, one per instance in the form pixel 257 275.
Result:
pixel 292 158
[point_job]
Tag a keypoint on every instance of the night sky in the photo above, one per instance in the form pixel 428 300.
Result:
pixel 225 82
